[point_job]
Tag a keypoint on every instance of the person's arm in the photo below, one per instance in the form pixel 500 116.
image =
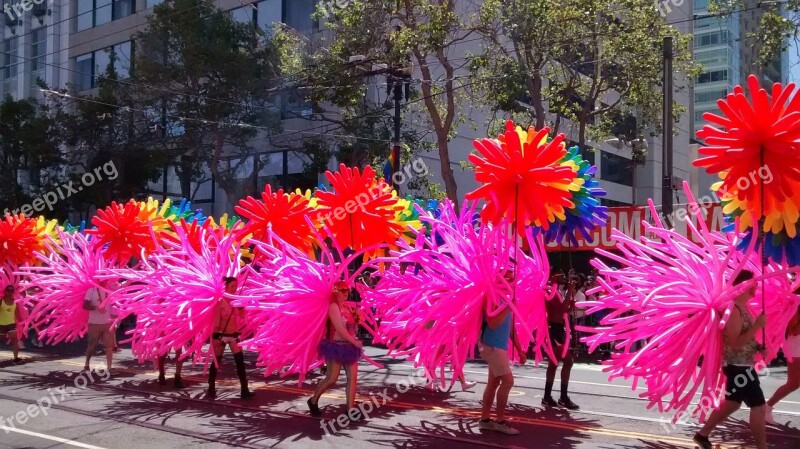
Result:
pixel 523 356
pixel 336 319
pixel 495 321
pixel 216 326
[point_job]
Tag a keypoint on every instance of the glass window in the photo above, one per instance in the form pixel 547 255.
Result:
pixel 298 15
pixel 123 8
pixel 151 3
pixel 297 162
pixel 85 14
pixel 616 169
pixel 38 48
pixel 122 59
pixel 269 12
pixel 244 14
pixel 711 77
pixel 102 12
pixel 102 58
pixel 83 71
pixel 9 58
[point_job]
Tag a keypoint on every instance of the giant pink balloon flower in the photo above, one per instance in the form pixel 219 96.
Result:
pixel 174 293
pixel 57 286
pixel 287 295
pixel 781 306
pixel 430 303
pixel 675 297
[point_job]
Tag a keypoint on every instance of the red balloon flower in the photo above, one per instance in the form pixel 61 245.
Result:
pixel 522 179
pixel 126 231
pixel 764 133
pixel 360 211
pixel 284 213
pixel 19 239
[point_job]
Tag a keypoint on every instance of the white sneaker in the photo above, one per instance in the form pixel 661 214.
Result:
pixel 466 386
pixel 486 425
pixel 503 427
pixel 769 418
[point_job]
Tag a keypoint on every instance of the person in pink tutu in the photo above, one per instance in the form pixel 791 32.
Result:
pixel 228 321
pixel 340 347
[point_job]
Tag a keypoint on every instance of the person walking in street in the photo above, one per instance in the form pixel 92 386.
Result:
pixel 791 349
pixel 340 348
pixel 742 385
pixel 10 315
pixel 493 346
pixel 559 308
pixel 228 322
pixel 100 321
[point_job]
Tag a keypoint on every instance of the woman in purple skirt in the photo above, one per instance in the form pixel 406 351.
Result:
pixel 340 348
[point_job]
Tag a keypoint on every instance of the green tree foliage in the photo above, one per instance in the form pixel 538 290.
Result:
pixel 210 79
pixel 589 61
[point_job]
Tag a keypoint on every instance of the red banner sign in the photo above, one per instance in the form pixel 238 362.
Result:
pixel 628 220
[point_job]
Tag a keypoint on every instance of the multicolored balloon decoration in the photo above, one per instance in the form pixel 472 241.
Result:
pixel 522 178
pixel 755 148
pixel 126 230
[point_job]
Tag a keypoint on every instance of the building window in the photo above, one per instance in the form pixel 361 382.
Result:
pixel 297 15
pixel 616 169
pixel 716 38
pixel 9 58
pixel 245 14
pixel 713 96
pixel 152 3
pixel 38 48
pixel 92 13
pixel 269 12
pixel 123 60
pixel 84 74
pixel 712 77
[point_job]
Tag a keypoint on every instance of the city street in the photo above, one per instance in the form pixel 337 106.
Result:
pixel 131 410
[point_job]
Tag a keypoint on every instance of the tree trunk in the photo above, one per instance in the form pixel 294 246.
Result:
pixel 447 171
pixel 536 98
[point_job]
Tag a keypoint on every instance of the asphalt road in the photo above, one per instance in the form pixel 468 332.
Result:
pixel 130 410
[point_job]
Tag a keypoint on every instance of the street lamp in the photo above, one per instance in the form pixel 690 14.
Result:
pixel 638 148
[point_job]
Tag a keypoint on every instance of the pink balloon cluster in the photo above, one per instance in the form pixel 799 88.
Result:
pixel 57 287
pixel 781 305
pixel 674 297
pixel 430 302
pixel 175 291
pixel 287 295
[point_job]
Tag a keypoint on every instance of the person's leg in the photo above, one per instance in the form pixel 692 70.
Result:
pixel 566 369
pixel 241 371
pixel 108 342
pixel 178 368
pixel 550 377
pixel 94 337
pixel 218 349
pixel 489 393
pixel 14 344
pixel 791 385
pixel 758 425
pixel 725 410
pixel 162 371
pixel 351 371
pixel 506 382
pixel 331 376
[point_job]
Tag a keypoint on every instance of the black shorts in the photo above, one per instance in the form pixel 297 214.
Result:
pixel 558 333
pixel 7 328
pixel 742 385
pixel 220 335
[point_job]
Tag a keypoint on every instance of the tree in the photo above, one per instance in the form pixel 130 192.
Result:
pixel 395 33
pixel 210 78
pixel 29 141
pixel 592 62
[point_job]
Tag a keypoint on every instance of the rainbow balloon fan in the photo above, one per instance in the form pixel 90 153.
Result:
pixel 125 230
pixel 522 178
pixel 755 149
pixel 360 211
pixel 284 213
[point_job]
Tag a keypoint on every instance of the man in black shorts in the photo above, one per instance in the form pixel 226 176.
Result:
pixel 738 352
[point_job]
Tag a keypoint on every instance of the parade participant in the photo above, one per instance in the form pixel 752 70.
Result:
pixel 493 345
pixel 434 386
pixel 742 384
pixel 558 309
pixel 100 320
pixel 10 315
pixel 791 349
pixel 162 361
pixel 340 348
pixel 228 321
